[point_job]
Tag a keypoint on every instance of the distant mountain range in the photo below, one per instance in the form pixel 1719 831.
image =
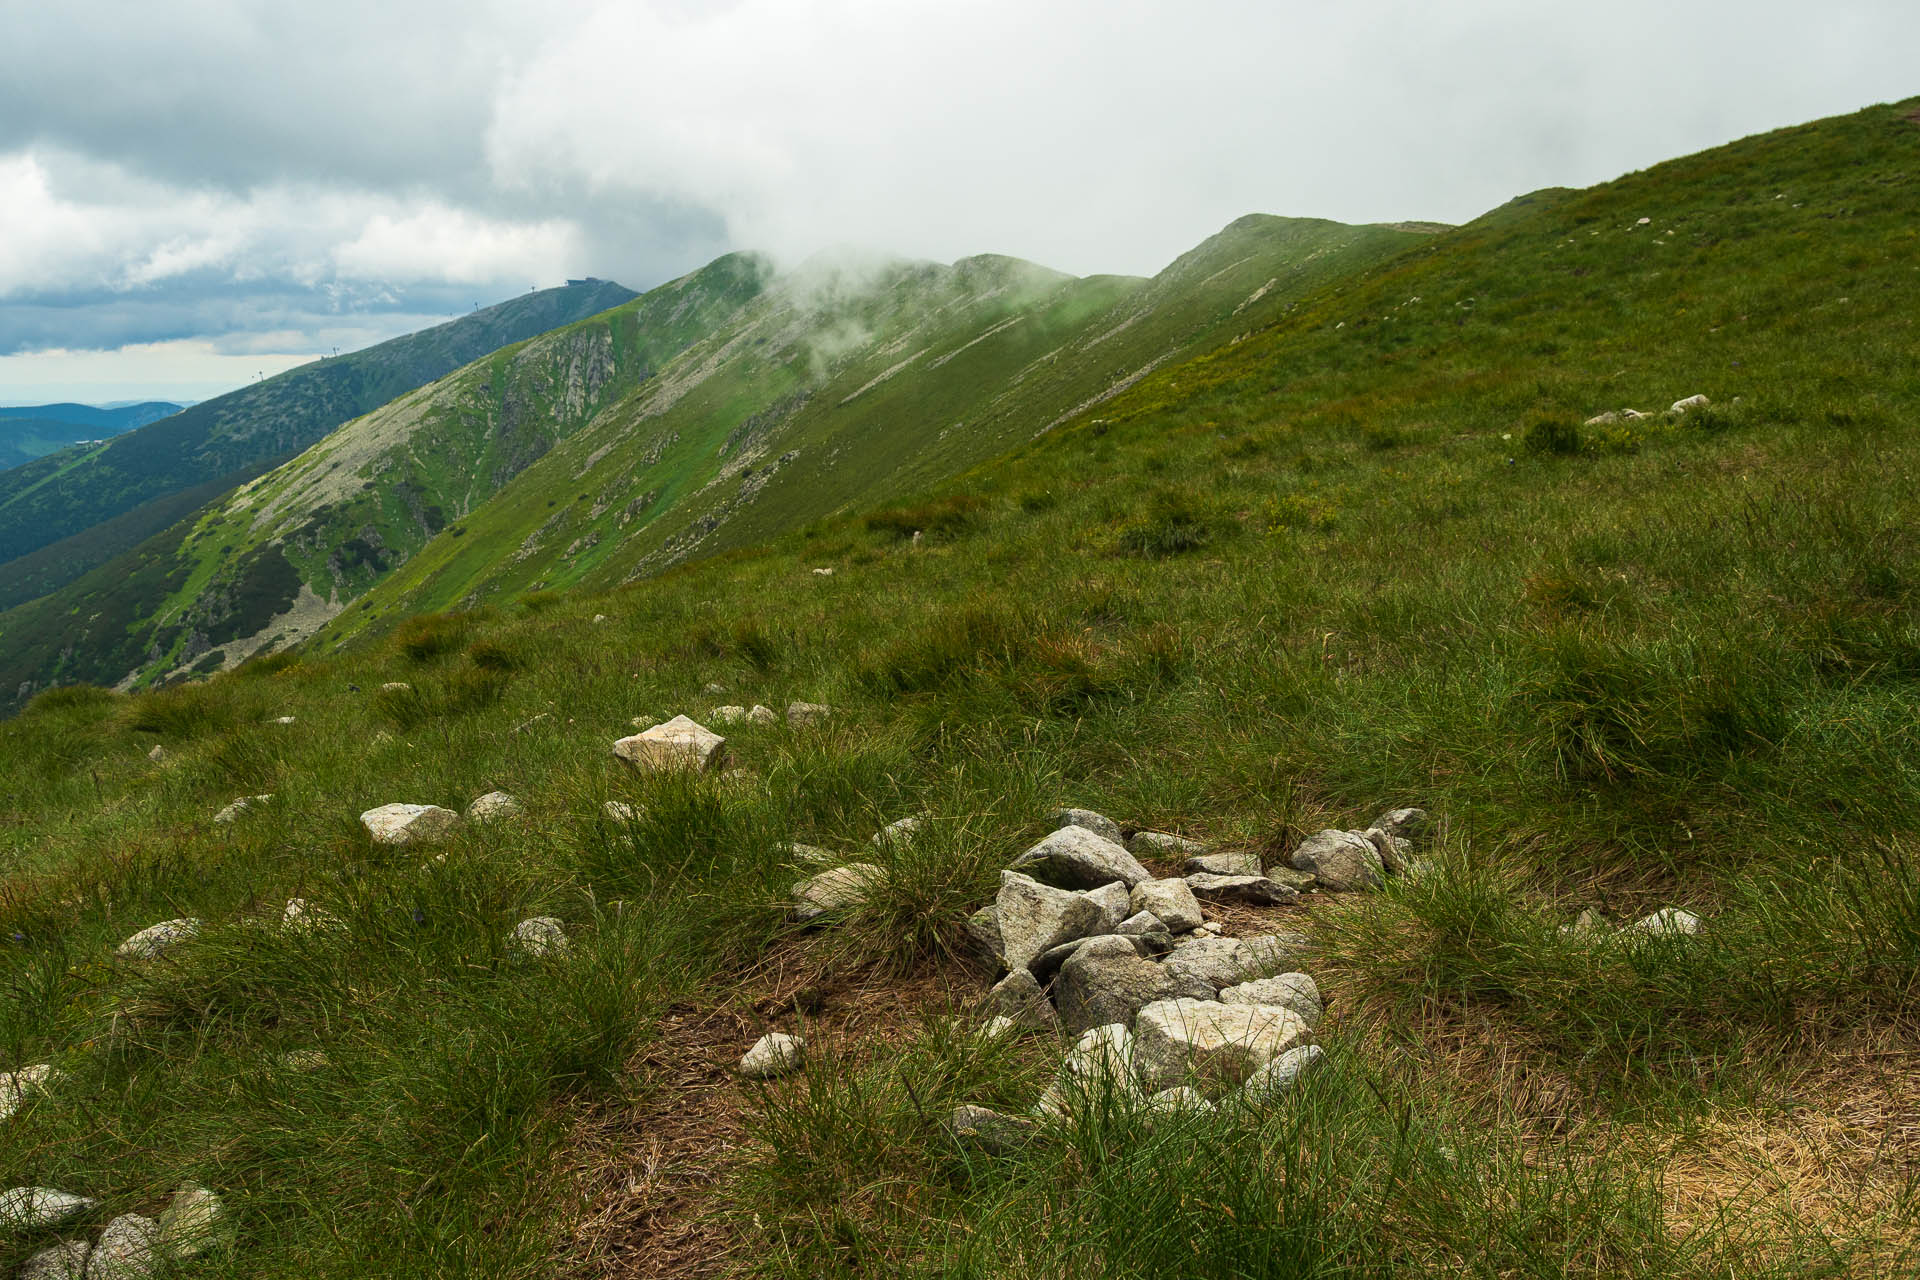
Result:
pixel 62 503
pixel 36 430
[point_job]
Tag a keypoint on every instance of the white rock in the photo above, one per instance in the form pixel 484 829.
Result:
pixel 1271 1082
pixel 158 753
pixel 396 686
pixel 540 936
pixel 1643 222
pixel 1691 402
pixel 17 1086
pixel 240 806
pixel 774 1054
pixel 493 807
pixel 1160 844
pixel 1172 901
pixel 1113 900
pixel 802 714
pixel 64 1261
pixel 129 1249
pixel 1601 419
pixel 1296 991
pixel 823 573
pixel 409 823
pixel 301 916
pixel 1100 1064
pixel 1099 824
pixel 898 832
pixel 835 889
pixel 154 940
pixel 1181 1100
pixel 1035 918
pixel 620 811
pixel 680 743
pixel 1138 924
pixel 281 720
pixel 1668 922
pixel 1076 858
pixel 727 715
pixel 760 715
pixel 1177 1038
pixel 599 617
pixel 192 1223
pixel 31 1208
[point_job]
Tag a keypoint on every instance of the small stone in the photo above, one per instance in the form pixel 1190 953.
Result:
pixel 153 941
pixel 1396 853
pixel 619 811
pixel 192 1223
pixel 1224 864
pixel 823 573
pixel 727 715
pixel 1104 827
pixel 680 743
pixel 1177 1038
pixel 1258 891
pixel 1141 924
pixel 1296 991
pixel 714 690
pixel 129 1249
pixel 762 715
pixel 396 686
pixel 1339 860
pixel 898 832
pixel 1160 844
pixel 1114 903
pixel 305 1060
pixel 493 807
pixel 1691 402
pixel 835 889
pixel 1407 824
pixel 804 714
pixel 158 753
pixel 395 824
pixel 300 916
pixel 1019 997
pixel 1171 901
pixel 31 1208
pixel 17 1086
pixel 1668 922
pixel 774 1054
pixel 811 855
pixel 1076 858
pixel 1277 1078
pixel 1181 1100
pixel 599 618
pixel 1267 954
pixel 64 1261
pixel 281 720
pixel 240 806
pixel 1034 918
pixel 540 936
pixel 990 1131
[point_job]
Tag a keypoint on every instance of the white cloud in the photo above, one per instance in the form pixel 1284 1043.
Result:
pixel 438 243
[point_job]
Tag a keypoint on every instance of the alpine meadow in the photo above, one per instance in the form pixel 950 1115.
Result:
pixel 1378 750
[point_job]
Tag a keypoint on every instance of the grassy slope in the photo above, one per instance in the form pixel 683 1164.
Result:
pixel 64 494
pixel 1285 585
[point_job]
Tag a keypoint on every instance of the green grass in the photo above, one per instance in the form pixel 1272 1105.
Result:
pixel 1278 587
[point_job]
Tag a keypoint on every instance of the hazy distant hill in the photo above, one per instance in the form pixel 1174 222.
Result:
pixel 34 431
pixel 68 492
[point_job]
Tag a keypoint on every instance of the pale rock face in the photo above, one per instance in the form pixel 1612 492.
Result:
pixel 835 889
pixel 1140 924
pixel 763 715
pixel 17 1086
pixel 540 936
pixel 240 806
pixel 1113 901
pixel 129 1249
pixel 1258 891
pixel 811 855
pixel 619 811
pixel 192 1223
pixel 1171 901
pixel 1691 402
pixel 396 686
pixel 31 1208
pixel 801 715
pixel 1019 998
pixel 1160 844
pixel 1076 858
pixel 153 941
pixel 281 720
pixel 301 916
pixel 1223 864
pixel 1106 982
pixel 1273 1081
pixel 983 931
pixel 395 824
pixel 774 1054
pixel 1181 1100
pixel 1339 860
pixel 1101 826
pixel 1296 991
pixel 1035 918
pixel 990 1131
pixel 495 806
pixel 1101 1062
pixel 64 1261
pixel 1668 922
pixel 680 743
pixel 1174 1039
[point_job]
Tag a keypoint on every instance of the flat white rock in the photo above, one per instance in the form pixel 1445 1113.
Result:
pixel 680 743
pixel 30 1208
pixel 1174 1039
pixel 774 1054
pixel 1296 991
pixel 409 823
pixel 154 940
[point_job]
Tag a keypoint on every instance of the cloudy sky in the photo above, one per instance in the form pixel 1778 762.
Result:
pixel 194 192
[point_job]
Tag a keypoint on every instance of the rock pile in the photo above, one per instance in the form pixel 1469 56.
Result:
pixel 131 1246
